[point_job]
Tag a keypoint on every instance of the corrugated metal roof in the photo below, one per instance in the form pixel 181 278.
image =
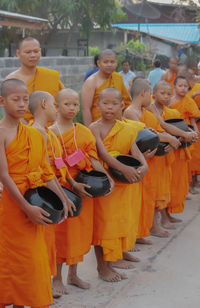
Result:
pixel 185 32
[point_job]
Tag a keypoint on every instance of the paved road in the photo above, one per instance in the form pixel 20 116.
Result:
pixel 168 275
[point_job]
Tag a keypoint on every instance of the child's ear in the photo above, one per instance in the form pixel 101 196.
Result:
pixel 43 104
pixel 2 101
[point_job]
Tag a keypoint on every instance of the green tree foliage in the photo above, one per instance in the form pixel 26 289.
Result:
pixel 132 51
pixel 81 15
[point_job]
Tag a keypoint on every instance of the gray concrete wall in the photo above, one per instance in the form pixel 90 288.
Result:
pixel 72 69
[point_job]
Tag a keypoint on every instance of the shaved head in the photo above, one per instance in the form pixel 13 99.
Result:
pixel 65 92
pixel 161 83
pixel 27 39
pixel 36 98
pixel 139 85
pixel 187 74
pixel 107 52
pixel 8 86
pixel 110 90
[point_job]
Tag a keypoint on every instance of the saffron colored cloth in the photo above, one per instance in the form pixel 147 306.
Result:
pixel 115 80
pixel 25 277
pixel 194 163
pixel 74 235
pixel 187 108
pixel 179 170
pixel 159 173
pixel 44 80
pixel 54 149
pixel 172 78
pixel 116 216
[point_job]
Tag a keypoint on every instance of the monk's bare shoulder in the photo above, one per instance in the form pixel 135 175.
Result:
pixel 130 113
pixel 16 74
pixel 95 128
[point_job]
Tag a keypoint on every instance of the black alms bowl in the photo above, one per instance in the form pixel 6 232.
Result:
pixel 128 161
pixel 47 200
pixel 98 182
pixel 161 149
pixel 181 124
pixel 75 199
pixel 147 140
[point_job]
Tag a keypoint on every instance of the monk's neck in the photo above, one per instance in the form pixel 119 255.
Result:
pixel 137 105
pixel 40 121
pixel 158 107
pixel 28 71
pixel 178 97
pixel 103 75
pixel 63 123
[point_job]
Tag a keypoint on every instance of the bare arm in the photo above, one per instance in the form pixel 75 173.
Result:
pixel 34 213
pixel 135 152
pixel 87 95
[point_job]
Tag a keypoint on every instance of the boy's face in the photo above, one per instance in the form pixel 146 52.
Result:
pixel 110 106
pixel 16 102
pixel 181 87
pixel 107 64
pixel 51 110
pixel 29 53
pixel 163 95
pixel 173 64
pixel 69 106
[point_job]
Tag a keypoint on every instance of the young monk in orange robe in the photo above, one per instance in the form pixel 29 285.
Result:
pixel 162 95
pixel 74 236
pixel 187 108
pixel 115 229
pixel 171 73
pixel 25 278
pixel 41 105
pixel 106 77
pixel 35 77
pixel 156 185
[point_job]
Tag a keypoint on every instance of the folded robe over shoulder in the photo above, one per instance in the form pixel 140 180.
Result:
pixel 115 80
pixel 179 170
pixel 74 235
pixel 116 216
pixel 25 277
pixel 44 79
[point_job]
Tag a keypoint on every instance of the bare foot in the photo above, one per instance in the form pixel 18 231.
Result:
pixel 122 264
pixel 168 225
pixel 135 249
pixel 173 219
pixel 122 275
pixel 159 232
pixel 58 288
pixel 108 274
pixel 143 241
pixel 76 281
pixel 127 256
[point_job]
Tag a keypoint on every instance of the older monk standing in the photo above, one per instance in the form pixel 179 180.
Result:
pixel 35 77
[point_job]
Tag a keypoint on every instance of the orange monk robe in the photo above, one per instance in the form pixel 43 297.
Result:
pixel 187 108
pixel 195 161
pixel 115 80
pixel 54 149
pixel 179 170
pixel 147 205
pixel 172 78
pixel 44 80
pixel 74 235
pixel 116 215
pixel 157 182
pixel 25 278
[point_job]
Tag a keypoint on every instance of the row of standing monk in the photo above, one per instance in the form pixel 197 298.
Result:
pixel 31 250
